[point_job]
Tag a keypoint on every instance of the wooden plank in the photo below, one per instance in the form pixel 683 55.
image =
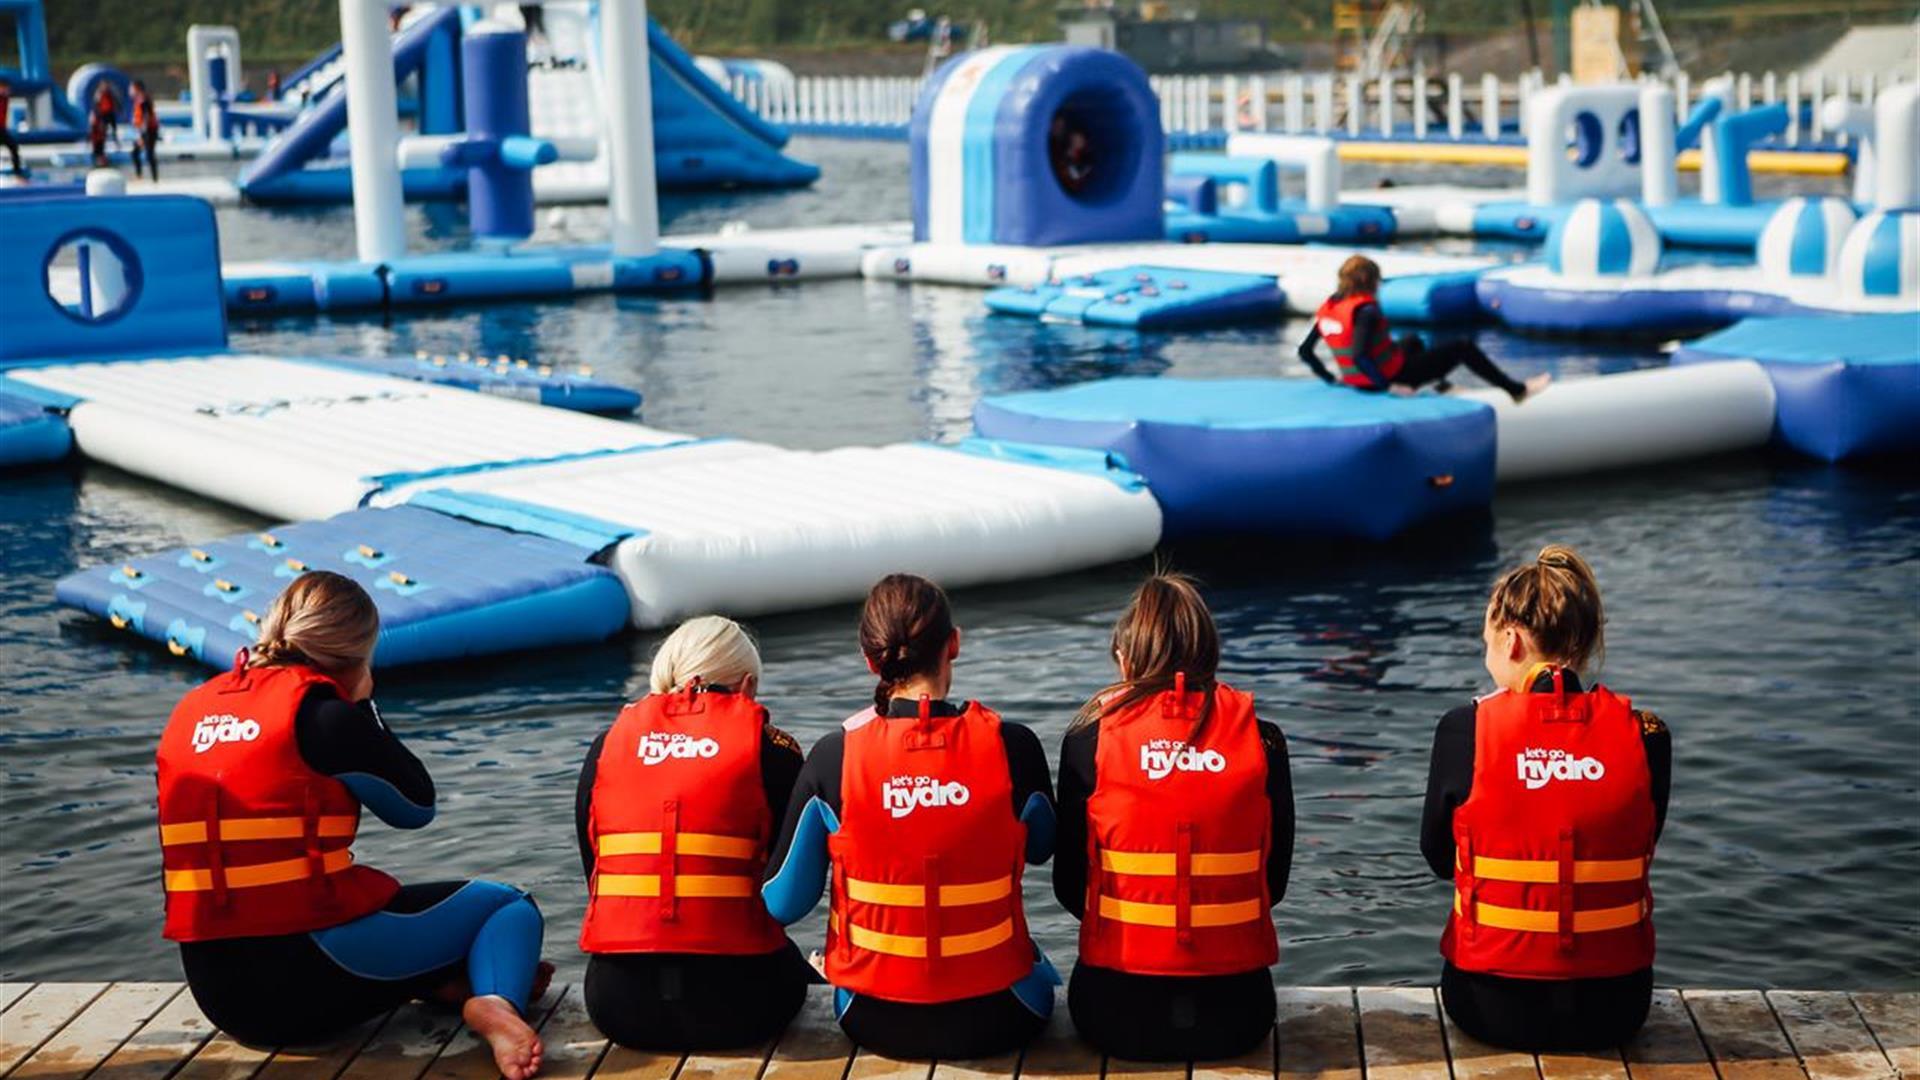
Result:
pixel 1584 1065
pixel 1319 1036
pixel 868 1065
pixel 572 1045
pixel 813 1047
pixel 993 1068
pixel 154 1052
pixel 467 1057
pixel 1742 1035
pixel 96 1032
pixel 224 1058
pixel 625 1063
pixel 1059 1054
pixel 1668 1047
pixel 322 1062
pixel 38 1014
pixel 1831 1039
pixel 409 1041
pixel 1400 1033
pixel 1894 1019
pixel 1146 1070
pixel 11 992
pixel 1259 1063
pixel 1475 1060
pixel 721 1065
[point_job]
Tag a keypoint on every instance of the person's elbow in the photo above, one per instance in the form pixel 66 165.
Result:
pixel 387 803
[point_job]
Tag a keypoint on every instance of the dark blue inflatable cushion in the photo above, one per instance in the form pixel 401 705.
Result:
pixel 1844 386
pixel 1270 456
pixel 446 588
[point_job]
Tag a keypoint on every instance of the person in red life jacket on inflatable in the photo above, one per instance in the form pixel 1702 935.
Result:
pixel 103 120
pixel 146 131
pixel 678 805
pixel 285 939
pixel 1176 834
pixel 1544 802
pixel 922 811
pixel 1368 358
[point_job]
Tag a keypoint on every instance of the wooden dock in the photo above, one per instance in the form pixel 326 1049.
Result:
pixel 153 1031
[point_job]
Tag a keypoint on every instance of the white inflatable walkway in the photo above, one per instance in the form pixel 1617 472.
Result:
pixel 709 525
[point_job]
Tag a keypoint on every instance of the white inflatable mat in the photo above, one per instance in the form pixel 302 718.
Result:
pixel 290 440
pixel 746 529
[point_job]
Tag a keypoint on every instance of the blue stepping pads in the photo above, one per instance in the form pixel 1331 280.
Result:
pixel 446 587
pixel 1845 386
pixel 1147 298
pixel 1276 457
pixel 29 434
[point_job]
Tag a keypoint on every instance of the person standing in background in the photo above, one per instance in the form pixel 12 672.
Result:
pixel 146 131
pixel 6 127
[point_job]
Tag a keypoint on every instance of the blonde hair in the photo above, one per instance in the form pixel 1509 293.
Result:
pixel 713 649
pixel 1556 600
pixel 323 620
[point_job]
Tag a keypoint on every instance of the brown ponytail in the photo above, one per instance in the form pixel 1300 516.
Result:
pixel 904 629
pixel 1556 600
pixel 323 620
pixel 1166 631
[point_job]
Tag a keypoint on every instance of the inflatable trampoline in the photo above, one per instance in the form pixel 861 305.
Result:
pixel 1270 456
pixel 1144 298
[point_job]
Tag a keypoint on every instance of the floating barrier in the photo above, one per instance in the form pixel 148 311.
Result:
pixel 446 588
pixel 1236 198
pixel 1143 298
pixel 1845 386
pixel 1292 457
pixel 506 377
pixel 30 434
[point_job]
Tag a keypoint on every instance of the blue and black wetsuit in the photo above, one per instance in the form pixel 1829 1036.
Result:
pixel 1533 1014
pixel 1163 1017
pixel 688 1001
pixel 307 988
pixel 797 877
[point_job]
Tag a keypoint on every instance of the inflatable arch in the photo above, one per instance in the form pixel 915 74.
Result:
pixel 990 125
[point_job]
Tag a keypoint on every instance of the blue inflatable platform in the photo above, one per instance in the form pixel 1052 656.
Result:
pixel 1147 298
pixel 1685 223
pixel 30 434
pixel 1285 457
pixel 1844 386
pixel 446 587
pixel 454 277
pixel 1196 212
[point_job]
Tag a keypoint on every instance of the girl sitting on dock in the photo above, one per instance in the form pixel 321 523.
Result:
pixel 924 811
pixel 1368 357
pixel 678 805
pixel 1188 802
pixel 1544 802
pixel 285 939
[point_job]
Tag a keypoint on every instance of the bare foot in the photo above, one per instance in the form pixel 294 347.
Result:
pixel 819 961
pixel 542 978
pixel 1533 386
pixel 516 1046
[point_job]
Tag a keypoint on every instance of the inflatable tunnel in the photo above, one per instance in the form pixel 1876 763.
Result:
pixel 1037 145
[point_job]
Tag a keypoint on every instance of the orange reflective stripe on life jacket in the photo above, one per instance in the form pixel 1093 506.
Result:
pixel 1179 829
pixel 681 829
pixel 1554 842
pixel 1335 320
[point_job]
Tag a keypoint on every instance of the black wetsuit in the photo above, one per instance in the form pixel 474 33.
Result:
pixel 1160 1017
pixel 306 988
pixel 1420 364
pixel 1533 1014
pixel 971 1027
pixel 688 1001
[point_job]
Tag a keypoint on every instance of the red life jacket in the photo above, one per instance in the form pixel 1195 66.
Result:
pixel 144 117
pixel 681 830
pixel 1553 844
pixel 1335 320
pixel 1177 840
pixel 927 861
pixel 253 841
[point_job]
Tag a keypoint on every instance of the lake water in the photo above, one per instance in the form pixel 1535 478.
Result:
pixel 1765 607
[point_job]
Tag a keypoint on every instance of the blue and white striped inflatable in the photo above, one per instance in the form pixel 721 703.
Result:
pixel 989 126
pixel 1881 256
pixel 1802 238
pixel 1604 238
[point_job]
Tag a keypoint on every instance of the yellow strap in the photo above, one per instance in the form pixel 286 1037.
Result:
pixel 256 874
pixel 715 886
pixel 1161 864
pixel 916 947
pixel 1142 914
pixel 260 828
pixel 1547 871
pixel 1529 920
pixel 711 845
pixel 979 892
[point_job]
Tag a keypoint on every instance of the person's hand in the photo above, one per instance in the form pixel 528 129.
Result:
pixel 1400 390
